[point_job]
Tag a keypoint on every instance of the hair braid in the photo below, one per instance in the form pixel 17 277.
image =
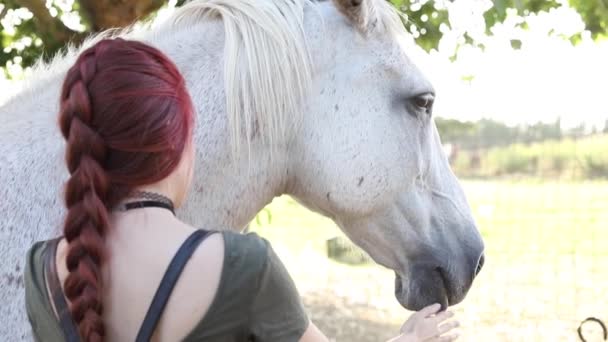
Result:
pixel 85 198
pixel 126 116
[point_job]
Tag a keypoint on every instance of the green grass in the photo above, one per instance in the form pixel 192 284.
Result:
pixel 546 268
pixel 545 218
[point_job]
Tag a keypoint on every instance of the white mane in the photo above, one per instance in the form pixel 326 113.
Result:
pixel 267 66
pixel 267 69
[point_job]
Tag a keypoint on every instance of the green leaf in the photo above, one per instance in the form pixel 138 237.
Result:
pixel 576 38
pixel 516 44
pixel 467 78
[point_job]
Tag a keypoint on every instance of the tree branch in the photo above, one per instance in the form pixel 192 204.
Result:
pixel 3 12
pixel 51 30
pixel 105 14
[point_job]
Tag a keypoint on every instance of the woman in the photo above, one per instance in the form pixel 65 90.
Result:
pixel 126 268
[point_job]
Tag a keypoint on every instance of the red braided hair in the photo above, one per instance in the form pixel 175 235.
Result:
pixel 126 116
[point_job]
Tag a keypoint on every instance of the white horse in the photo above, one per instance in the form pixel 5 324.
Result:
pixel 317 100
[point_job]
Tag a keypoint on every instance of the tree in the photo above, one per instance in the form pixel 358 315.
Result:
pixel 39 27
pixel 456 131
pixel 42 27
pixel 486 133
pixel 426 18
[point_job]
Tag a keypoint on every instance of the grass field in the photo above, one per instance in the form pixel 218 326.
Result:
pixel 546 266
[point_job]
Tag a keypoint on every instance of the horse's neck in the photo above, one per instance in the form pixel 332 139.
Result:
pixel 225 194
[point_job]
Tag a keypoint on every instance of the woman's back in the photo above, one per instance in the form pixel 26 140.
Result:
pixel 233 288
pixel 141 245
pixel 127 119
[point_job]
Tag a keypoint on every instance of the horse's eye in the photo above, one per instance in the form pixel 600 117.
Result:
pixel 424 102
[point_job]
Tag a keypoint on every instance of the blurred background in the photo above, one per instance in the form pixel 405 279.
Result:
pixel 522 111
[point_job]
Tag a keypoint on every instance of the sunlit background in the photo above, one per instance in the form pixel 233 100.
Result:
pixel 524 117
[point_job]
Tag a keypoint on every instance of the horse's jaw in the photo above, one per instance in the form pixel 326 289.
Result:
pixel 428 258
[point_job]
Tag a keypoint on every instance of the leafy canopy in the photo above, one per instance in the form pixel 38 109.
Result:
pixel 39 28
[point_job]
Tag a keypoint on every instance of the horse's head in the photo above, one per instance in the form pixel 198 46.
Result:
pixel 369 156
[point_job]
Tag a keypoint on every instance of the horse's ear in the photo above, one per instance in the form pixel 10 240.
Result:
pixel 362 13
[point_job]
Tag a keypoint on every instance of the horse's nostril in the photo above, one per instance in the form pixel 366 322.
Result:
pixel 482 259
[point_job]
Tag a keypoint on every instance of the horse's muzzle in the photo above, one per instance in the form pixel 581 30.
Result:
pixel 429 281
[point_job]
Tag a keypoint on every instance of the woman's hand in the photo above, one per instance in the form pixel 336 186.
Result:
pixel 428 325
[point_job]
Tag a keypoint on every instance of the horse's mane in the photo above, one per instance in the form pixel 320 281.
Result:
pixel 267 67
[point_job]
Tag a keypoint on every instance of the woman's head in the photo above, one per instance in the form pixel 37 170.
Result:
pixel 127 118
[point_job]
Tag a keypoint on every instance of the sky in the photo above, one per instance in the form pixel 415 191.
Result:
pixel 547 78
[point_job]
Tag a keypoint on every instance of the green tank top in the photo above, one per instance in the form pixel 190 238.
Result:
pixel 256 299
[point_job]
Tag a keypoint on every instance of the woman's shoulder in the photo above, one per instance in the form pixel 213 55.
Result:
pixel 36 250
pixel 38 307
pixel 35 257
pixel 257 292
pixel 249 249
pixel 33 273
pixel 237 259
pixel 244 261
pixel 252 241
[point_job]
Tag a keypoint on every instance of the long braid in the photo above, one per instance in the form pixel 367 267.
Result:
pixel 126 116
pixel 86 199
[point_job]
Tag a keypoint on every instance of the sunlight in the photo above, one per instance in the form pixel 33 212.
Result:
pixel 546 79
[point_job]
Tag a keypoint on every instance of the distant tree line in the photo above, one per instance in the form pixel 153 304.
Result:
pixel 487 133
pixel 488 148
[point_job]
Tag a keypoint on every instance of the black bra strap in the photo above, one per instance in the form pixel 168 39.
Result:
pixel 168 282
pixel 52 280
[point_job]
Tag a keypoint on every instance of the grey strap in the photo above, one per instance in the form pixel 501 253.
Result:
pixel 52 279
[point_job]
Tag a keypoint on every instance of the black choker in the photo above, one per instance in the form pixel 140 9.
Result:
pixel 150 199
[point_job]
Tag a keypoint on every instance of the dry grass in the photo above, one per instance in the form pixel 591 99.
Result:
pixel 546 268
